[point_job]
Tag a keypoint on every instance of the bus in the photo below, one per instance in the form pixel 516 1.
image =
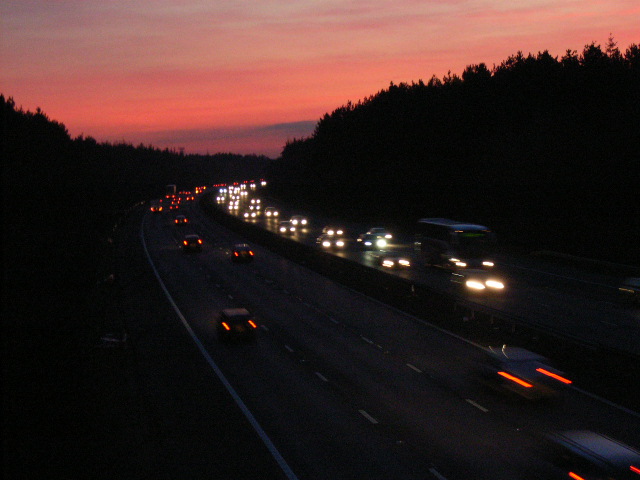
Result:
pixel 441 242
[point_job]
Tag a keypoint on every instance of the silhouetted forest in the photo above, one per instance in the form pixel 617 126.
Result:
pixel 545 150
pixel 61 199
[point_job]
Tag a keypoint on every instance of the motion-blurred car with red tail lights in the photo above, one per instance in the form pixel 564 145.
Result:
pixel 236 323
pixel 585 455
pixel 192 242
pixel 156 207
pixel 242 253
pixel 525 373
pixel 181 220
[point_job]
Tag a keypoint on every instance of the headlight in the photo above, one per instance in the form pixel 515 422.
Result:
pixel 387 263
pixel 461 264
pixel 495 284
pixel 304 222
pixel 381 242
pixel 388 235
pixel 404 262
pixel 339 243
pixel 487 263
pixel 474 284
pixel 326 243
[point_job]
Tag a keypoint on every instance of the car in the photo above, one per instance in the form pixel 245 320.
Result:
pixel 523 372
pixel 586 455
pixel 376 237
pixel 242 253
pixel 236 323
pixel 192 242
pixel 630 290
pixel 299 221
pixel 156 207
pixel 271 212
pixel 391 259
pixel 478 281
pixel 286 227
pixel 333 231
pixel 250 214
pixel 328 241
pixel 181 220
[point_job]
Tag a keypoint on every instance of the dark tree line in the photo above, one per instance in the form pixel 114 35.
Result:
pixel 60 199
pixel 545 149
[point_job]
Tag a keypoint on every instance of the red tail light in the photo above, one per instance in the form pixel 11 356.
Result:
pixel 515 379
pixel 553 375
pixel 200 241
pixel 634 469
pixel 226 327
pixel 185 242
pixel 236 254
pixel 250 253
pixel 251 322
pixel 575 476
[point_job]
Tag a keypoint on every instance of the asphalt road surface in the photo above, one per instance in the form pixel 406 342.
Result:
pixel 337 385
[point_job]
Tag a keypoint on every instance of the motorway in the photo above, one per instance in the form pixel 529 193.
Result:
pixel 339 385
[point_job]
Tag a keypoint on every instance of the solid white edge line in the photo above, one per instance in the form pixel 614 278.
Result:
pixel 321 377
pixel 245 410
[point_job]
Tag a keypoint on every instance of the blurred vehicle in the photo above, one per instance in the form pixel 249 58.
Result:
pixel 156 207
pixel 242 253
pixel 376 237
pixel 250 214
pixel 390 259
pixel 525 373
pixel 630 290
pixel 585 455
pixel 451 244
pixel 331 231
pixel 299 221
pixel 474 280
pixel 192 242
pixel 236 323
pixel 181 220
pixel 286 227
pixel 330 241
pixel 271 212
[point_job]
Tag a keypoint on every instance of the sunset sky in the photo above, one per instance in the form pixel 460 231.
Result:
pixel 245 76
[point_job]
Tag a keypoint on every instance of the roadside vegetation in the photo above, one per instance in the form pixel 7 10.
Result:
pixel 543 149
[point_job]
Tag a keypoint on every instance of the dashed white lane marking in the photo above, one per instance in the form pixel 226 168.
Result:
pixel 264 327
pixel 230 297
pixel 334 320
pixel 477 405
pixel 368 417
pixel 413 367
pixel 370 342
pixel 321 377
pixel 436 474
pixel 289 349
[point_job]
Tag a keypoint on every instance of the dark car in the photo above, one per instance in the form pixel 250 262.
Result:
pixel 242 253
pixel 181 220
pixel 236 323
pixel 192 242
pixel 478 281
pixel 328 241
pixel 393 260
pixel 286 228
pixel 525 373
pixel 585 455
pixel 376 237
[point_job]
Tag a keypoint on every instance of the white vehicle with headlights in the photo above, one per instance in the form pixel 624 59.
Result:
pixel 479 281
pixel 333 231
pixel 376 237
pixel 391 260
pixel 299 221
